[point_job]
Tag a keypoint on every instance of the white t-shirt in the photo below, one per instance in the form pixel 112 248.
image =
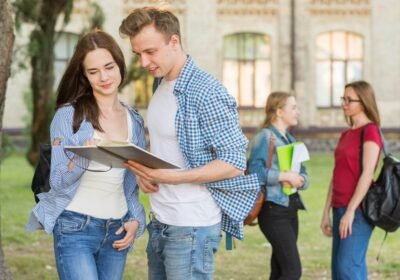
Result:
pixel 101 194
pixel 184 204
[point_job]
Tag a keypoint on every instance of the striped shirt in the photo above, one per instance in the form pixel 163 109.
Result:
pixel 64 182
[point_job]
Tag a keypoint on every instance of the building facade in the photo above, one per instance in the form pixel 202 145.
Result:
pixel 310 47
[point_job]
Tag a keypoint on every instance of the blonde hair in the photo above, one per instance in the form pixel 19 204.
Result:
pixel 366 94
pixel 276 100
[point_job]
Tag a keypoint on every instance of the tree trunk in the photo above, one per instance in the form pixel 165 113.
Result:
pixel 6 43
pixel 42 61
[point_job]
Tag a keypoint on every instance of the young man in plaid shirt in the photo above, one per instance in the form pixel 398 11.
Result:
pixel 193 123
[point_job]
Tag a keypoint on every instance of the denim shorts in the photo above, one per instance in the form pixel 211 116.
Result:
pixel 182 253
pixel 83 247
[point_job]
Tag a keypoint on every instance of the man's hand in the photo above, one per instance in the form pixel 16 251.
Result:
pixel 155 176
pixel 124 243
pixel 146 186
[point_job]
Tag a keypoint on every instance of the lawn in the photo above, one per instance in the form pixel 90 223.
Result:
pixel 30 255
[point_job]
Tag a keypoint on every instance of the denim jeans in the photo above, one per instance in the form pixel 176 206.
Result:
pixel 181 253
pixel 349 255
pixel 83 248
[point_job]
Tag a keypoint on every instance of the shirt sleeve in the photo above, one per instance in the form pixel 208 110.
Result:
pixel 136 210
pixel 221 128
pixel 372 134
pixel 61 135
pixel 137 213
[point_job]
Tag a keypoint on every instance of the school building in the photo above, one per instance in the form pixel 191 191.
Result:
pixel 254 47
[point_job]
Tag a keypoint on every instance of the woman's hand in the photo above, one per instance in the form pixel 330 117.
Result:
pixel 124 243
pixel 346 223
pixel 294 179
pixel 326 225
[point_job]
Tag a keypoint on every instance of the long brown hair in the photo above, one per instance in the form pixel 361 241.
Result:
pixel 276 100
pixel 366 94
pixel 74 87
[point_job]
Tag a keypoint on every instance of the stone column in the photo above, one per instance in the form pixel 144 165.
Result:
pixel 200 33
pixel 385 40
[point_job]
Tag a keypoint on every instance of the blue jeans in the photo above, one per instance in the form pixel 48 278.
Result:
pixel 181 253
pixel 349 255
pixel 83 247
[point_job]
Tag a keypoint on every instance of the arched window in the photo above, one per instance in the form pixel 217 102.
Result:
pixel 247 68
pixel 339 61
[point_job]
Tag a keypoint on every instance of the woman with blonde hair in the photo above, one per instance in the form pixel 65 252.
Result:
pixel 278 219
pixel 350 182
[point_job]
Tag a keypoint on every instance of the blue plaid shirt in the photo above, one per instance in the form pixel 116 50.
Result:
pixel 208 128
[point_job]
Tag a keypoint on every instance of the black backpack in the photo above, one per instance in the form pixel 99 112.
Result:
pixel 40 180
pixel 381 205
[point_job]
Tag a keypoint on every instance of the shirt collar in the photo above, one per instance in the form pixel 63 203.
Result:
pixel 287 139
pixel 184 76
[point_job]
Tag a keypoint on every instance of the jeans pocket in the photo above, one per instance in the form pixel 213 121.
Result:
pixel 211 245
pixel 173 233
pixel 71 224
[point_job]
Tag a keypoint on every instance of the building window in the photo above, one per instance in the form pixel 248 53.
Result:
pixel 63 51
pixel 247 68
pixel 339 61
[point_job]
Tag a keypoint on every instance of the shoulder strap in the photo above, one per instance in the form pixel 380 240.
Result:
pixel 384 145
pixel 156 83
pixel 361 150
pixel 271 149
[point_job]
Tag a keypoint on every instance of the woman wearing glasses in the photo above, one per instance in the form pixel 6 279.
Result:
pixel 350 231
pixel 94 216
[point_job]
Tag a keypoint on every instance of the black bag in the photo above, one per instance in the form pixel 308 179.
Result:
pixel 381 205
pixel 40 180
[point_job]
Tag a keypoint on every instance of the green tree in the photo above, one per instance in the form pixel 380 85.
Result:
pixel 43 15
pixel 6 44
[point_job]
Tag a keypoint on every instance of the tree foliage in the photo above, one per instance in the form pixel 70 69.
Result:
pixel 43 16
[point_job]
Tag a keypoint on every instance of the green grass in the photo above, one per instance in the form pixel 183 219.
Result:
pixel 30 255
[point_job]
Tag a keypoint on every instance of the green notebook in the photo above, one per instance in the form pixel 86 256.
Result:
pixel 285 155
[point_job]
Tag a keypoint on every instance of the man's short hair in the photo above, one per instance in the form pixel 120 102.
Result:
pixel 164 21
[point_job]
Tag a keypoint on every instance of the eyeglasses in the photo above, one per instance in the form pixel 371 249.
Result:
pixel 347 100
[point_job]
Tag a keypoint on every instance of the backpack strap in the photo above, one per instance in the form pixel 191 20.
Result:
pixel 156 83
pixel 384 145
pixel 272 141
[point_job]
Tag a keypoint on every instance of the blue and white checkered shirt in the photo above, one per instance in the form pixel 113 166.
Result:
pixel 208 128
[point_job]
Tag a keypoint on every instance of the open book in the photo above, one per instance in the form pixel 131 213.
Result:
pixel 114 154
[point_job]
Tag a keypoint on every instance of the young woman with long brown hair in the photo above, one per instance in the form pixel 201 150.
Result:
pixel 350 230
pixel 94 216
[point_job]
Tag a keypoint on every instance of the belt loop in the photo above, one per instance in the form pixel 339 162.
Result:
pixel 151 216
pixel 87 220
